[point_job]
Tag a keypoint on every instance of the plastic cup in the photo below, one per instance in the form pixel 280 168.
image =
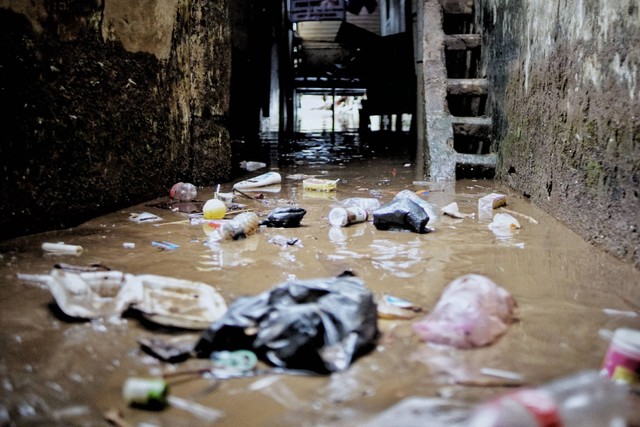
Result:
pixel 145 392
pixel 346 216
pixel 622 360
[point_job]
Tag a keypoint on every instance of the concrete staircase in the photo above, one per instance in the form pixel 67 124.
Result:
pixel 457 129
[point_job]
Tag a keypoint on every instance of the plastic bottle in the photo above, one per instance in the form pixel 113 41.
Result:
pixel 341 217
pixel 239 227
pixel 183 191
pixel 369 204
pixel 586 399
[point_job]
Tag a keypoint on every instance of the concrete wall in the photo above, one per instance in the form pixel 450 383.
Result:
pixel 106 103
pixel 565 97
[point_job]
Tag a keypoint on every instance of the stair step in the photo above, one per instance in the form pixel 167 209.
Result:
pixel 467 86
pixel 471 126
pixel 457 7
pixel 462 41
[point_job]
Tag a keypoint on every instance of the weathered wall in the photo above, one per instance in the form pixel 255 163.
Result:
pixel 565 97
pixel 106 103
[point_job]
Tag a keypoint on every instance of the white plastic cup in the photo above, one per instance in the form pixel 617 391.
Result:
pixel 341 217
pixel 145 392
pixel 622 360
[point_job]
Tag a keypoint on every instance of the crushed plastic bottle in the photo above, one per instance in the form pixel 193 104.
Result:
pixel 585 399
pixel 252 166
pixel 183 191
pixel 369 204
pixel 239 227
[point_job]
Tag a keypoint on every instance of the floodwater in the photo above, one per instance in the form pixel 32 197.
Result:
pixel 571 296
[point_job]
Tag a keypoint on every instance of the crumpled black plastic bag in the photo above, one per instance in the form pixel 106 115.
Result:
pixel 319 325
pixel 401 214
pixel 286 217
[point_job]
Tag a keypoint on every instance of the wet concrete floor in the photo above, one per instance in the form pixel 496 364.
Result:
pixel 570 296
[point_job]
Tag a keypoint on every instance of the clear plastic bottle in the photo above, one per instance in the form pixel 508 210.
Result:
pixel 369 204
pixel 586 399
pixel 183 191
pixel 239 227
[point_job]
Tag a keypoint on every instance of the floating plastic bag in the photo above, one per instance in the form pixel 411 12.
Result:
pixel 401 214
pixel 453 211
pixel 287 217
pixel 429 208
pixel 503 225
pixel 319 325
pixel 472 312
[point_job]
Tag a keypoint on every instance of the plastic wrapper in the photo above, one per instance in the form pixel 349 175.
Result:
pixel 472 312
pixel 287 217
pixel 429 208
pixel 318 325
pixel 503 225
pixel 492 201
pixel 401 214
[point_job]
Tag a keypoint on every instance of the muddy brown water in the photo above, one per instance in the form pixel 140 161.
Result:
pixel 60 372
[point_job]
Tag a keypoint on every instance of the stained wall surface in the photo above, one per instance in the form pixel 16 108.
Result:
pixel 106 103
pixel 565 99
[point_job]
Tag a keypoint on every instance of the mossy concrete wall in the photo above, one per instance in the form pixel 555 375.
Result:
pixel 107 103
pixel 565 98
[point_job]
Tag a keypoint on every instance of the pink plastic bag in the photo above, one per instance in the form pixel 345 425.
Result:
pixel 472 312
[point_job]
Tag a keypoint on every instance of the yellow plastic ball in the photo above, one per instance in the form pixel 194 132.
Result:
pixel 214 209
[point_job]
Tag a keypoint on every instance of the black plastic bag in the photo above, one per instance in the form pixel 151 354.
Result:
pixel 287 217
pixel 319 325
pixel 401 214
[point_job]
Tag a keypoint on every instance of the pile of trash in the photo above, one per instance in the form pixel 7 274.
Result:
pixel 322 325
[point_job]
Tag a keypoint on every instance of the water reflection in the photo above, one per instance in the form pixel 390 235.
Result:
pixel 401 260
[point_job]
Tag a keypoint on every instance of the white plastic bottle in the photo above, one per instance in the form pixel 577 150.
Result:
pixel 183 191
pixel 586 399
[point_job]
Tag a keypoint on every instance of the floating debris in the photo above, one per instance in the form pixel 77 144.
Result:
pixel 144 217
pixel 452 210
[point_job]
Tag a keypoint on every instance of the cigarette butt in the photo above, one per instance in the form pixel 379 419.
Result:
pixel 62 249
